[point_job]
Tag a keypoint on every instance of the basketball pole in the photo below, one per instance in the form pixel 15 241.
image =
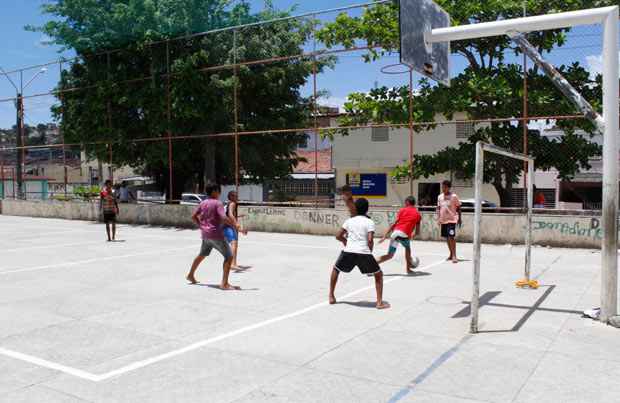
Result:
pixel 608 17
pixel 411 132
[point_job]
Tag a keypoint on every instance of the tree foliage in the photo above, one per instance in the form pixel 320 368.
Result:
pixel 490 86
pixel 146 90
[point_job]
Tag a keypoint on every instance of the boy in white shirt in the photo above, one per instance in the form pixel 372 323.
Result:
pixel 357 235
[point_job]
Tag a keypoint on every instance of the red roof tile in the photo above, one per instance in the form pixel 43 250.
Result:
pixel 325 162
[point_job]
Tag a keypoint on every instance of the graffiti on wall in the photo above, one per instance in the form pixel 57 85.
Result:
pixel 318 217
pixel 593 229
pixel 266 211
pixel 429 228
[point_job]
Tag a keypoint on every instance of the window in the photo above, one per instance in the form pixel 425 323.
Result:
pixel 304 141
pixel 464 130
pixel 380 134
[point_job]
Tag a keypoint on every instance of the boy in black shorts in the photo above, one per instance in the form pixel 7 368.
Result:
pixel 357 235
pixel 109 207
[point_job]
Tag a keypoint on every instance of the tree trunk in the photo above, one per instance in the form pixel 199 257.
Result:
pixel 504 194
pixel 209 166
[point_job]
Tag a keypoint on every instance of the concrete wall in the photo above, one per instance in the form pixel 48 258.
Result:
pixel 574 231
pixel 548 230
pixel 156 214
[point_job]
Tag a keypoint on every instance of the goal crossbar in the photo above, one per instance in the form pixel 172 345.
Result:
pixel 481 149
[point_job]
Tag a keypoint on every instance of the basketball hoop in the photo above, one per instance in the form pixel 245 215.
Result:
pixel 396 69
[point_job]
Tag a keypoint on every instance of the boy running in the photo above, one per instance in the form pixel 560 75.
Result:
pixel 358 242
pixel 401 232
pixel 109 206
pixel 230 232
pixel 210 217
pixel 448 216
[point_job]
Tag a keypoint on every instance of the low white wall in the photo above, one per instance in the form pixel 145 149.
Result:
pixel 155 214
pixel 571 231
pixel 547 230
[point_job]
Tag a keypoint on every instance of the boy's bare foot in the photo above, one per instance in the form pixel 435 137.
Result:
pixel 455 260
pixel 383 305
pixel 228 287
pixel 332 300
pixel 191 279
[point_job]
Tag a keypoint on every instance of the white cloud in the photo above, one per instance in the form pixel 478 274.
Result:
pixel 595 64
pixel 43 41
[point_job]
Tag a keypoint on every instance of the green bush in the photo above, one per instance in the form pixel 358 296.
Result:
pixel 87 193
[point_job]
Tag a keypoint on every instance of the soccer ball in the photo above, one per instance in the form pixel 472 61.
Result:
pixel 415 262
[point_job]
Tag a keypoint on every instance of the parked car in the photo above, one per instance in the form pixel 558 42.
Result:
pixel 192 199
pixel 145 197
pixel 470 203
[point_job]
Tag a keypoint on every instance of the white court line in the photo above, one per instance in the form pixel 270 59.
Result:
pixel 339 247
pixel 195 346
pixel 81 262
pixel 37 235
pixel 50 246
pixel 48 364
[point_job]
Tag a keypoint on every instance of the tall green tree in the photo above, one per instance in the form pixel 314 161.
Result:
pixel 143 90
pixel 490 86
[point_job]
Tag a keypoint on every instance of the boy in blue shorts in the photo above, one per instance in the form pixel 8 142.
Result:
pixel 230 232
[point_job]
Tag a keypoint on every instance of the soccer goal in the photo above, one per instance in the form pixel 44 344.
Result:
pixel 482 150
pixel 425 37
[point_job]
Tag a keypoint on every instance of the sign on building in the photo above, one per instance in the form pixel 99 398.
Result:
pixel 368 185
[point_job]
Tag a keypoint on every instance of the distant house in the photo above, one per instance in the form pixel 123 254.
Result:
pixel 314 174
pixel 36 187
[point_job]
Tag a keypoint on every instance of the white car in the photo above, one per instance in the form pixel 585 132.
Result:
pixel 151 197
pixel 192 199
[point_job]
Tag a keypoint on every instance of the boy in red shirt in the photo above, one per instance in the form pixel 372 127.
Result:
pixel 401 232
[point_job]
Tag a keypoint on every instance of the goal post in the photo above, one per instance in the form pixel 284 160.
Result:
pixel 481 149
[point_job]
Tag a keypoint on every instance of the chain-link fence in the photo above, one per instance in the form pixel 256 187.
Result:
pixel 288 110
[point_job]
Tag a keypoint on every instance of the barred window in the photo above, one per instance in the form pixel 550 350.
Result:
pixel 380 134
pixel 464 130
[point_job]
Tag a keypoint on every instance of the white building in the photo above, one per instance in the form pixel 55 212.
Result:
pixel 371 154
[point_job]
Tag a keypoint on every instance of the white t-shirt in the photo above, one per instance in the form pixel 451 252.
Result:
pixel 357 229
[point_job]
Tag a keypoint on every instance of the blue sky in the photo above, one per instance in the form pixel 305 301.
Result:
pixel 21 48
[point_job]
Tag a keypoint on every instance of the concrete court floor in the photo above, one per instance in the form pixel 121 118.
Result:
pixel 82 320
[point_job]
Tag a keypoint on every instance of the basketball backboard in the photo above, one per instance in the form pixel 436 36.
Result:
pixel 418 17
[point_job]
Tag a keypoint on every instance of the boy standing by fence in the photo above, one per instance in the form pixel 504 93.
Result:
pixel 109 207
pixel 357 235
